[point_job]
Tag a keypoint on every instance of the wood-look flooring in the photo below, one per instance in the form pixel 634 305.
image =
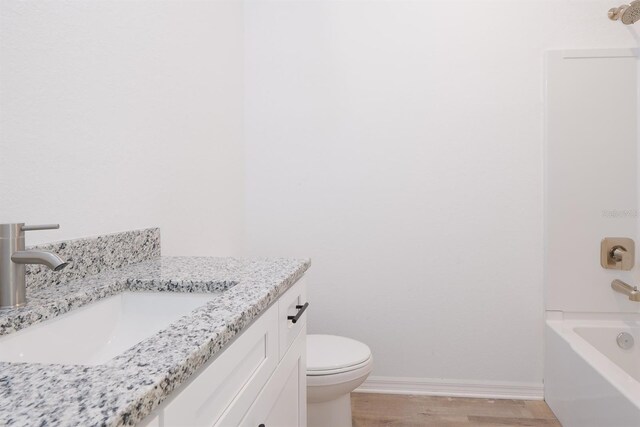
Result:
pixel 377 410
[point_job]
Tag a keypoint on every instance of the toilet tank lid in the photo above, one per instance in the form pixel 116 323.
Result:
pixel 328 352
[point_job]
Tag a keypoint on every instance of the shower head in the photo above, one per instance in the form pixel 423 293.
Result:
pixel 627 13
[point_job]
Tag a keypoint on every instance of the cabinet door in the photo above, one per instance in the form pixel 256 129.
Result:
pixel 230 383
pixel 283 401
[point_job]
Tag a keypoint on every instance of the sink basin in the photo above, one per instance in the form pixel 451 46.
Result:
pixel 98 332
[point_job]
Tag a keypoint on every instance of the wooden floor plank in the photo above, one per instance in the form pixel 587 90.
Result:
pixel 392 410
pixel 539 409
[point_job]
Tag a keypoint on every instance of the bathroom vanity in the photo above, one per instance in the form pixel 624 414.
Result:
pixel 123 336
pixel 259 379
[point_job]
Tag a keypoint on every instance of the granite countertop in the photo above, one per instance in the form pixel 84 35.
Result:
pixel 127 388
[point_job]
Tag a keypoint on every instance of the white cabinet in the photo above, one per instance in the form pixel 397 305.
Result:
pixel 232 380
pixel 283 401
pixel 259 378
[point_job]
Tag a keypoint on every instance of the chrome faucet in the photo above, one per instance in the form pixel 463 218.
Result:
pixel 630 291
pixel 13 258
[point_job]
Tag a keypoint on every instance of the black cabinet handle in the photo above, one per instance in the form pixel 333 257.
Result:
pixel 301 309
pixel 261 425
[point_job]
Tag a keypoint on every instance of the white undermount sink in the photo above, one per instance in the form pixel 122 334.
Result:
pixel 100 331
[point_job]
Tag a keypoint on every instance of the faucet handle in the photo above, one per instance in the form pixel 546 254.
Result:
pixel 617 253
pixel 39 227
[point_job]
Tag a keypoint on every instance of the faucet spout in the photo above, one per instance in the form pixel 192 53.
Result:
pixel 51 260
pixel 631 291
pixel 14 256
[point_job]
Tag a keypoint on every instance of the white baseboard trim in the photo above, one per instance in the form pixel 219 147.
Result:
pixel 453 388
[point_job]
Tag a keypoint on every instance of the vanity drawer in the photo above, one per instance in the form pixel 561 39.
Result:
pixel 225 388
pixel 292 304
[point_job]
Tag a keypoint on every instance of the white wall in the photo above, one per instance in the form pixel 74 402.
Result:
pixel 116 115
pixel 400 144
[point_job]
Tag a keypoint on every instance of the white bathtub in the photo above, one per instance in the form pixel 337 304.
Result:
pixel 589 381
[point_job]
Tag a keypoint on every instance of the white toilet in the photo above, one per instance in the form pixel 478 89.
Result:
pixel 335 367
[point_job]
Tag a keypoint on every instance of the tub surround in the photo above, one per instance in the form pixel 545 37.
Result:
pixel 127 388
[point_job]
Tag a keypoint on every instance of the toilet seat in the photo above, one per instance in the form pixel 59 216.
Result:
pixel 335 379
pixel 339 370
pixel 331 355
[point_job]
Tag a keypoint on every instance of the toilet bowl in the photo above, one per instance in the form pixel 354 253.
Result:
pixel 335 367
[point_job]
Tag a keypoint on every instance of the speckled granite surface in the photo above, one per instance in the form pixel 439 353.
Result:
pixel 93 255
pixel 126 389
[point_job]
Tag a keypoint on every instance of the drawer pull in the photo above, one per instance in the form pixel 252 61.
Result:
pixel 261 425
pixel 301 309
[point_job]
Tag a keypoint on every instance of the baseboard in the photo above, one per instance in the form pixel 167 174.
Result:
pixel 454 388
